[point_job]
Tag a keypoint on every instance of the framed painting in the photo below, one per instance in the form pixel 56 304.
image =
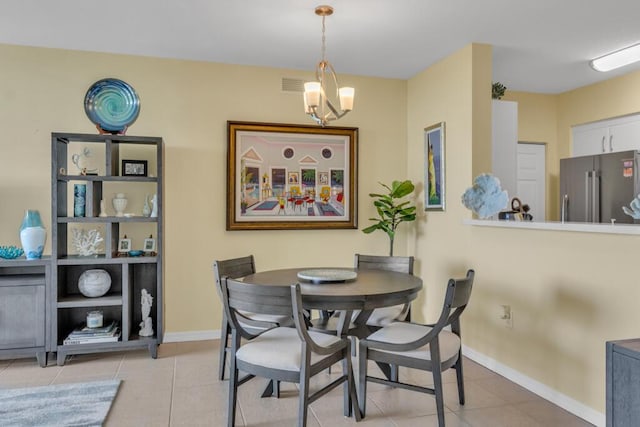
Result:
pixel 302 187
pixel 434 167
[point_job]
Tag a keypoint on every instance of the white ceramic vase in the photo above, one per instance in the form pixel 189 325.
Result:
pixel 119 204
pixel 94 283
pixel 32 235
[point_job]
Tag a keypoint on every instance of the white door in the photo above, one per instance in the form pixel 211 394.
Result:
pixel 531 178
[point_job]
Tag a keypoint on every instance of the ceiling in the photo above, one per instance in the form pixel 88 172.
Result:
pixel 538 46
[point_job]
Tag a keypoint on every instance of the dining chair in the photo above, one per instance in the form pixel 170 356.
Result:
pixel 281 353
pixel 236 268
pixel 402 264
pixel 425 347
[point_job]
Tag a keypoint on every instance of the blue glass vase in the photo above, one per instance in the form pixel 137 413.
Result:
pixel 79 199
pixel 32 235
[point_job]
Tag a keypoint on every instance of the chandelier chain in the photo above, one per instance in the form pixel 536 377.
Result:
pixel 324 39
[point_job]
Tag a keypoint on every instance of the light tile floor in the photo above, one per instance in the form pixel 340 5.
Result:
pixel 181 388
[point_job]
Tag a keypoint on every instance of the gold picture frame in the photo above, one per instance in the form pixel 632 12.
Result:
pixel 292 158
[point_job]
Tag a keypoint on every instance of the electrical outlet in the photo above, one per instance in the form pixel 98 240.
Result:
pixel 507 316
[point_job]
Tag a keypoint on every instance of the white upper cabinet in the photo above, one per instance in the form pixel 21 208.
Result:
pixel 607 136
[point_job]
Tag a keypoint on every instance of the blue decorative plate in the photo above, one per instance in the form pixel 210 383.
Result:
pixel 112 104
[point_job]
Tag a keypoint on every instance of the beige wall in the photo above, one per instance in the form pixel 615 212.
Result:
pixel 188 104
pixel 570 292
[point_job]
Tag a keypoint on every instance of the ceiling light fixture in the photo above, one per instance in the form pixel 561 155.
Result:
pixel 316 102
pixel 617 59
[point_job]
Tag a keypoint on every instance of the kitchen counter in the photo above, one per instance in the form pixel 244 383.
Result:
pixel 631 229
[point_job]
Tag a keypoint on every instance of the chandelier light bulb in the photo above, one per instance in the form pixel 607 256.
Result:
pixel 322 96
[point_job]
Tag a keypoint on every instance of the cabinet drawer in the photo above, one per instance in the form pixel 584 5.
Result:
pixel 22 280
pixel 22 317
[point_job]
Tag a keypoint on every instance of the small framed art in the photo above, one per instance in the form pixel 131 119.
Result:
pixel 134 168
pixel 434 168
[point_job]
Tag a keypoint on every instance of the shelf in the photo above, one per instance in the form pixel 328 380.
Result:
pixel 81 301
pixel 102 178
pixel 106 219
pixel 102 259
pixel 129 275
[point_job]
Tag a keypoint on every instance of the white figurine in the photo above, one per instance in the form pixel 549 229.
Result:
pixel 146 326
pixel 103 211
pixel 154 209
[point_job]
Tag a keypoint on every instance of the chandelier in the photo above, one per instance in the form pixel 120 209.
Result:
pixel 317 102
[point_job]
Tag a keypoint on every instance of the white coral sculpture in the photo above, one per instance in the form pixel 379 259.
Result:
pixel 634 212
pixel 86 242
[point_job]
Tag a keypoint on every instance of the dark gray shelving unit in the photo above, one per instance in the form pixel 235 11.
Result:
pixel 129 275
pixel 623 383
pixel 24 313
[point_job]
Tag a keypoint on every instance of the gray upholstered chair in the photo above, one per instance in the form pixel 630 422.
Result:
pixel 281 353
pixel 237 268
pixel 425 347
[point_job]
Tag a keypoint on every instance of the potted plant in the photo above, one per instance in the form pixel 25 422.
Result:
pixel 392 211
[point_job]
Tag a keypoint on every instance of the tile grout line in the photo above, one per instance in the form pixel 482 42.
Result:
pixel 173 388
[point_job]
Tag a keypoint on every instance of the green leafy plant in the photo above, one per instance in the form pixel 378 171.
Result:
pixel 497 90
pixel 392 211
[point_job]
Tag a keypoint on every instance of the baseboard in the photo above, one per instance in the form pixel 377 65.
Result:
pixel 562 400
pixel 191 336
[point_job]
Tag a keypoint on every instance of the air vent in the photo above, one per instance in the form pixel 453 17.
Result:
pixel 292 85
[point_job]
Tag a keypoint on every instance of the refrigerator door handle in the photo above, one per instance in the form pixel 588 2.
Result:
pixel 563 214
pixel 587 178
pixel 595 197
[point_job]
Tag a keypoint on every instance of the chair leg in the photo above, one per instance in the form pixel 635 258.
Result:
pixel 353 397
pixel 437 387
pixel 303 398
pixel 362 379
pixel 346 387
pixel 224 339
pixel 460 379
pixel 393 374
pixel 233 392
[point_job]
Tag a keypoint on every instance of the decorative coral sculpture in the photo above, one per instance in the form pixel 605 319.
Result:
pixel 86 242
pixel 634 212
pixel 486 197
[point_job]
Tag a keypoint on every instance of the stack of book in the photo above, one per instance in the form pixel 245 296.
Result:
pixel 86 335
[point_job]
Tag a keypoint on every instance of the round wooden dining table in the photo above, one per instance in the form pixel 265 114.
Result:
pixel 370 289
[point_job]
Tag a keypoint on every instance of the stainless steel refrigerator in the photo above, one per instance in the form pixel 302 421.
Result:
pixel 595 188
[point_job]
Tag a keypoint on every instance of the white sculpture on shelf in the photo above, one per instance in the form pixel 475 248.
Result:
pixel 154 209
pixel 146 209
pixel 86 242
pixel 146 326
pixel 103 210
pixel 119 204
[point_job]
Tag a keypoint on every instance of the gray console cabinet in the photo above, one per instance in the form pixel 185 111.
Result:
pixel 623 383
pixel 24 314
pixel 129 274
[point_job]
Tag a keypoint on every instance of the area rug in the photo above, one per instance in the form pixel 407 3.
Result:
pixel 77 404
pixel 266 206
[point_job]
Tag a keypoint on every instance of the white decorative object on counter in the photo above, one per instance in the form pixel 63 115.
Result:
pixel 146 326
pixel 86 242
pixel 94 283
pixel 120 204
